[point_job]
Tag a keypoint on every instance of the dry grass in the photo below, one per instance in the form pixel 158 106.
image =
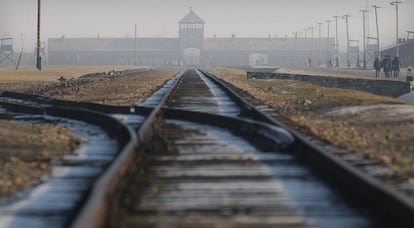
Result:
pixel 120 90
pixel 385 135
pixel 52 73
pixel 290 96
pixel 27 151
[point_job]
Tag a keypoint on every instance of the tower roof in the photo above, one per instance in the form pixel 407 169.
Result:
pixel 191 17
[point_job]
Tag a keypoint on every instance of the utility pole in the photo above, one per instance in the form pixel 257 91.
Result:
pixel 346 16
pixel 311 55
pixel 299 48
pixel 364 60
pixel 336 43
pixel 320 53
pixel 38 58
pixel 396 20
pixel 336 39
pixel 135 46
pixel 296 47
pixel 306 43
pixel 376 22
pixel 327 47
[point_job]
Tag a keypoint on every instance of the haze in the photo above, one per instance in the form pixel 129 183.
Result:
pixel 158 18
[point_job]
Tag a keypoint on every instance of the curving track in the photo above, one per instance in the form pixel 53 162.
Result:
pixel 206 158
pixel 55 201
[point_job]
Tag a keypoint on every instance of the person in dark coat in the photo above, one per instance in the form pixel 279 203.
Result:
pixel 396 66
pixel 385 65
pixel 377 67
pixel 389 66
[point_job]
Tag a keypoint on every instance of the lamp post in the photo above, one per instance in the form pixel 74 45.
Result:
pixel 376 22
pixel 346 16
pixel 299 48
pixel 328 57
pixel 306 44
pixel 364 62
pixel 311 48
pixel 336 42
pixel 296 47
pixel 38 58
pixel 336 35
pixel 135 46
pixel 320 54
pixel 395 3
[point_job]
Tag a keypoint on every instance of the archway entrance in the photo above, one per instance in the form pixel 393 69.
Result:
pixel 191 56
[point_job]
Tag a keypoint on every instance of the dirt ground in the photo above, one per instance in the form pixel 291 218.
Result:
pixel 380 127
pixel 27 151
pixel 25 78
pixel 51 74
pixel 108 89
pixel 112 90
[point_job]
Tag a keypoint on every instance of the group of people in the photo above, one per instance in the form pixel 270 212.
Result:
pixel 390 66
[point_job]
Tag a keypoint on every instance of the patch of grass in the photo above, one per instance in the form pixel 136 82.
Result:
pixel 27 152
pixel 52 73
pixel 296 96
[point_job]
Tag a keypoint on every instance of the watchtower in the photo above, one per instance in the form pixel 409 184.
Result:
pixel 6 49
pixel 191 33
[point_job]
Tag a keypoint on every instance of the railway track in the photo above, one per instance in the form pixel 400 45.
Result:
pixel 206 158
pixel 54 201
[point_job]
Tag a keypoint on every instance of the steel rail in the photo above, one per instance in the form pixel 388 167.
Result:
pixel 268 137
pixel 49 101
pixel 95 206
pixel 181 169
pixel 123 134
pixel 388 202
pixel 94 211
pixel 396 207
pixel 93 215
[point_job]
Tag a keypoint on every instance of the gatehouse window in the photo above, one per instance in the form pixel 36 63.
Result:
pixel 191 26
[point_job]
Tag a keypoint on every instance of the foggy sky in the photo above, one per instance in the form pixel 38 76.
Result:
pixel 158 18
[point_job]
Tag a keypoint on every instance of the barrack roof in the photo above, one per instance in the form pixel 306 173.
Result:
pixel 112 44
